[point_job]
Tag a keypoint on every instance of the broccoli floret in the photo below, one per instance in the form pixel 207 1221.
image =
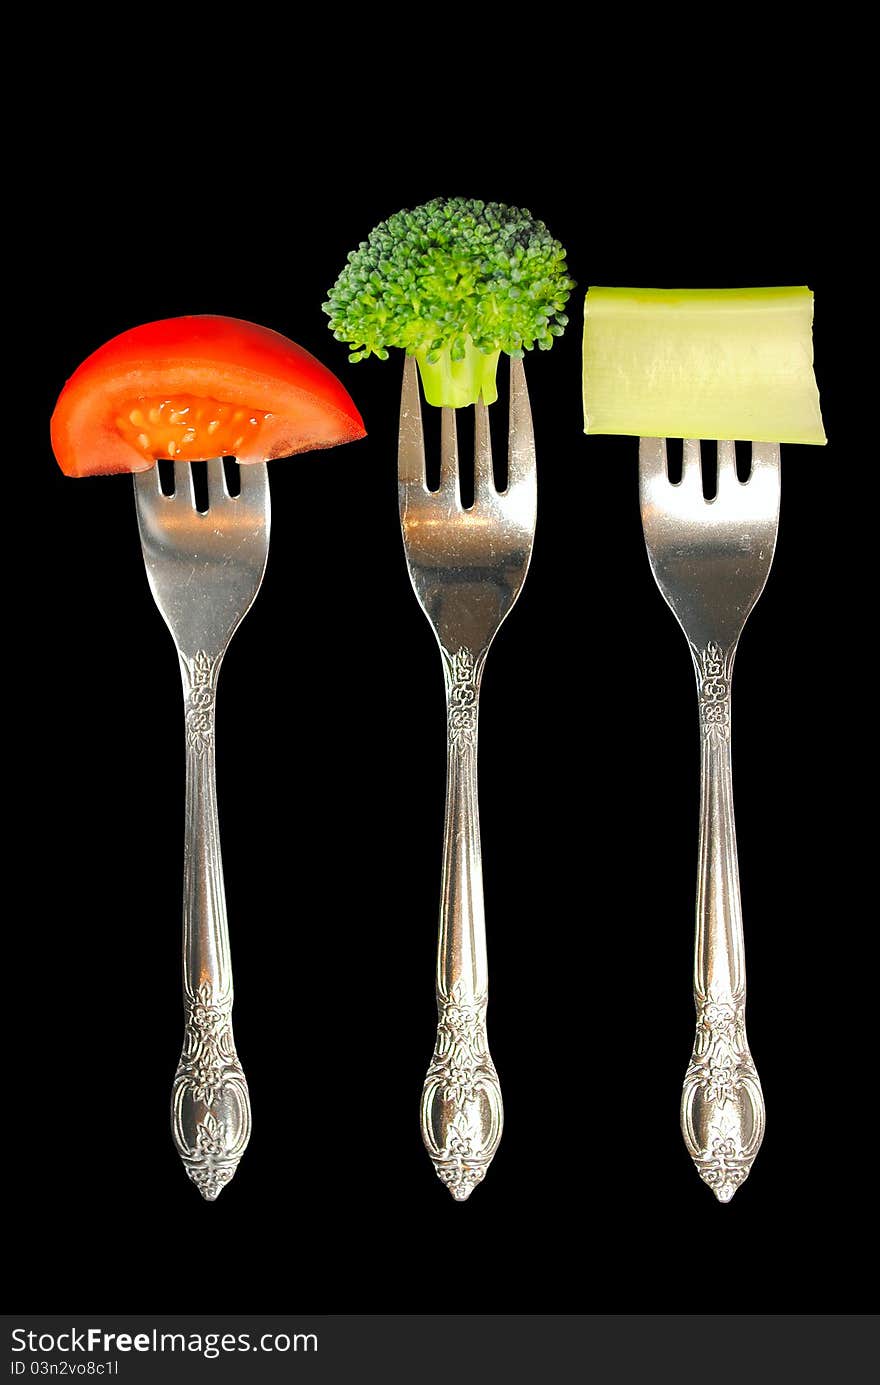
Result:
pixel 454 283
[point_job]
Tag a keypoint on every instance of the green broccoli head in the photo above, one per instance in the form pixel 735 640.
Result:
pixel 454 283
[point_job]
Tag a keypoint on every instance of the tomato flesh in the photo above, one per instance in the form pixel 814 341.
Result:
pixel 196 387
pixel 189 429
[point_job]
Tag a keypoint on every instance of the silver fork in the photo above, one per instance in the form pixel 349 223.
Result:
pixel 467 567
pixel 204 572
pixel 710 560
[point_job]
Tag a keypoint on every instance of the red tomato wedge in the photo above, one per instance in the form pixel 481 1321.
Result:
pixel 197 387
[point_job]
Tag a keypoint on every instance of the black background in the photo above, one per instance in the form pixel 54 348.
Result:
pixel 331 770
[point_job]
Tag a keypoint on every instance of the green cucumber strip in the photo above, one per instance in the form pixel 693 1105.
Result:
pixel 701 363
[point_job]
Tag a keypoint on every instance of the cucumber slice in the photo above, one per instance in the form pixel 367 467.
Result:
pixel 701 363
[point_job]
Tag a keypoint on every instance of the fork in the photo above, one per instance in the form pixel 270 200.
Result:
pixel 205 570
pixel 467 567
pixel 710 560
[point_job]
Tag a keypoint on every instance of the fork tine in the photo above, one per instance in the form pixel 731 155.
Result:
pixel 765 457
pixel 410 438
pixel 147 487
pixel 726 466
pixel 521 433
pixel 691 473
pixel 764 478
pixel 183 483
pixel 652 461
pixel 217 491
pixel 484 479
pixel 253 484
pixel 448 453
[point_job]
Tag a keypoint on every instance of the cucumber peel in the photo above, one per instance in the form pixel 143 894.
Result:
pixel 701 363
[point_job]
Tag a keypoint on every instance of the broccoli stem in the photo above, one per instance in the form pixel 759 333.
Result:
pixel 455 384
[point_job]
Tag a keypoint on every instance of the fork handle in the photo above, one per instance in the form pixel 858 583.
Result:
pixel 211 1114
pixel 722 1108
pixel 462 1112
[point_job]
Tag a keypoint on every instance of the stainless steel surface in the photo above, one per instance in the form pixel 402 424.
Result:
pixel 710 560
pixel 204 572
pixel 467 567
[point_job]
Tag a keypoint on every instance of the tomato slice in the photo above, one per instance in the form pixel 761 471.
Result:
pixel 197 387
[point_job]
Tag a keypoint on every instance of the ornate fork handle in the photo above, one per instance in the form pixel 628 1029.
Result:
pixel 722 1108
pixel 461 1100
pixel 211 1115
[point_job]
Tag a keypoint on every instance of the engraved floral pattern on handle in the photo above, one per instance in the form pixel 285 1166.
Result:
pixel 462 1113
pixel 210 1105
pixel 211 1116
pixel 463 694
pixel 722 1108
pixel 714 667
pixel 202 671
